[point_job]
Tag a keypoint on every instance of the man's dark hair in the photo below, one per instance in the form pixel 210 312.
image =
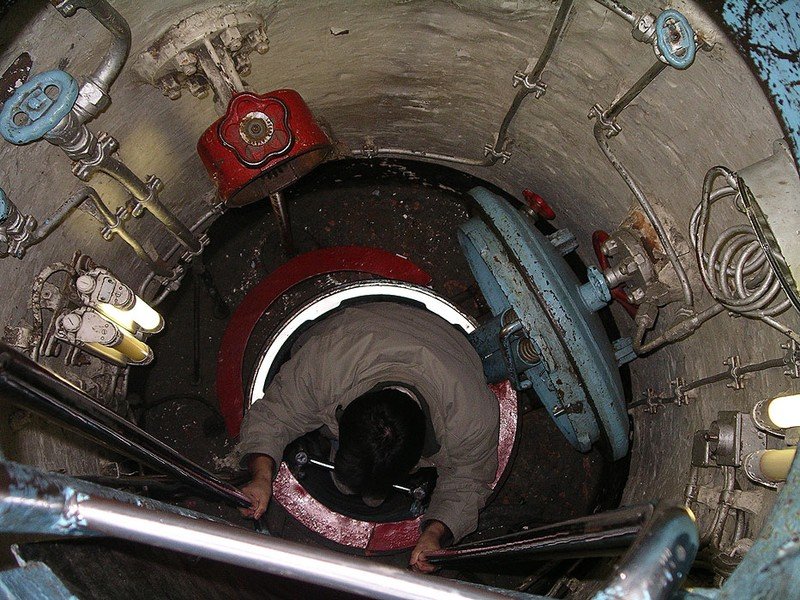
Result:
pixel 381 435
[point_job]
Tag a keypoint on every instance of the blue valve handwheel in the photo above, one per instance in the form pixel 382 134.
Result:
pixel 669 22
pixel 37 106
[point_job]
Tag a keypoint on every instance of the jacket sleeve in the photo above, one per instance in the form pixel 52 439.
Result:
pixel 465 476
pixel 290 406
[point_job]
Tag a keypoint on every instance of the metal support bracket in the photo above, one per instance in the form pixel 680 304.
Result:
pixel 84 168
pixel 609 125
pixel 726 442
pixel 504 155
pixel 538 88
pixel 792 359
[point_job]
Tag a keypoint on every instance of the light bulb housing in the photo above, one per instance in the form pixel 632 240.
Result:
pixel 784 411
pixel 90 331
pixel 103 292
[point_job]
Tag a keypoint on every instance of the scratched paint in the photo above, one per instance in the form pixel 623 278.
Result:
pixel 372 537
pixel 768 31
pixel 35 502
pixel 33 581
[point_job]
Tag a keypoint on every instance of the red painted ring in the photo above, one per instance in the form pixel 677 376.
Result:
pixel 230 359
pixel 370 537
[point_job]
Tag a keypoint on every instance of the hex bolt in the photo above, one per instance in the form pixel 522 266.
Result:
pixel 260 40
pixel 197 88
pixel 231 38
pixel 609 247
pixel 242 63
pixel 636 296
pixel 187 63
pixel 170 87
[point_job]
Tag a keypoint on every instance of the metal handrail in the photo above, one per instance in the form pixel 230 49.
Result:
pixel 39 390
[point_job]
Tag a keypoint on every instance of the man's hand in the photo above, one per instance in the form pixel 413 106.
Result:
pixel 429 541
pixel 259 490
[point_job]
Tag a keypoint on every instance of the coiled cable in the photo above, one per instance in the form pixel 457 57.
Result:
pixel 735 270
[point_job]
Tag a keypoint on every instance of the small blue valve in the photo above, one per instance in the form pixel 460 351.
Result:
pixel 37 106
pixel 675 39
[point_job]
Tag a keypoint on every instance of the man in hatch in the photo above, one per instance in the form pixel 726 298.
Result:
pixel 392 383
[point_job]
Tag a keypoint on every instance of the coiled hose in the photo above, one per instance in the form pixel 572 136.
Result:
pixel 735 270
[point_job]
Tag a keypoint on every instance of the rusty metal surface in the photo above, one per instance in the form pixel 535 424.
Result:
pixel 15 76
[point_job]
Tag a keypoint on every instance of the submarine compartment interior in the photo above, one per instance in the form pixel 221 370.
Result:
pixel 602 196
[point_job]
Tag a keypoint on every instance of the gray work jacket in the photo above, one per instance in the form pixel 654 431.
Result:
pixel 360 347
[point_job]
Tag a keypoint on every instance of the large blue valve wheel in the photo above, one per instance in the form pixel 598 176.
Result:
pixel 518 268
pixel 37 106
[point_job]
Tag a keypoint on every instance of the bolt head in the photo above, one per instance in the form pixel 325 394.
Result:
pixel 71 322
pixel 646 22
pixel 187 63
pixel 84 284
pixel 636 295
pixel 609 247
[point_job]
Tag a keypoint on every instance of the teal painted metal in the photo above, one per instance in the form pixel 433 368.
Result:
pixel 659 561
pixel 37 106
pixel 672 25
pixel 5 207
pixel 595 292
pixel 38 503
pixel 771 569
pixel 577 379
pixel 768 33
pixel 33 581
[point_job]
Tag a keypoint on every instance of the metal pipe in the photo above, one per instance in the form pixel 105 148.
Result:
pixel 619 9
pixel 34 502
pixel 666 243
pixel 674 333
pixel 605 534
pixel 265 554
pixel 735 270
pixel 148 198
pixel 623 101
pixel 529 85
pixel 39 390
pixel 530 81
pixel 657 564
pixel 485 162
pixel 215 210
pixel 109 68
pixel 78 197
pixel 93 153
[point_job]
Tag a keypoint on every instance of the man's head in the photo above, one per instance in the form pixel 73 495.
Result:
pixel 380 439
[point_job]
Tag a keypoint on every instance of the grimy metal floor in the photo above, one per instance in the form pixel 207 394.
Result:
pixel 408 208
